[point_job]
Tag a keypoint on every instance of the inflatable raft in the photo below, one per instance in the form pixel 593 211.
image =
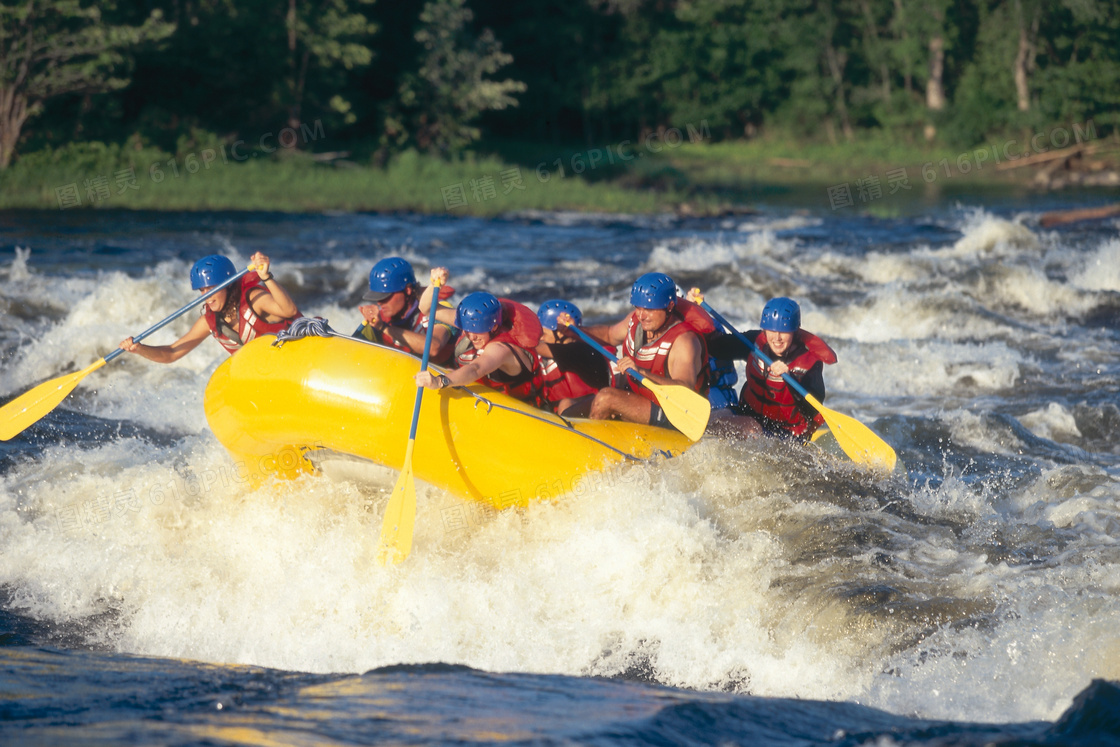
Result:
pixel 269 405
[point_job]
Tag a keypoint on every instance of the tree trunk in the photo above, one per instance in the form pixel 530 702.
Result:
pixel 13 113
pixel 1021 87
pixel 294 84
pixel 935 91
pixel 1024 58
pixel 836 63
pixel 907 76
pixel 873 48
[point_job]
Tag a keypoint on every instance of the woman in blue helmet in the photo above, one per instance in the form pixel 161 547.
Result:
pixel 396 308
pixel 572 370
pixel 664 339
pixel 234 315
pixel 767 404
pixel 497 348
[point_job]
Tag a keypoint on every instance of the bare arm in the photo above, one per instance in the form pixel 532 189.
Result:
pixel 684 361
pixel 273 303
pixel 414 341
pixel 683 364
pixel 488 361
pixel 612 334
pixel 198 332
pixel 440 276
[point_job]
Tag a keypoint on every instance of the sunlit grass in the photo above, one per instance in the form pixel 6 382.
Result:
pixel 700 177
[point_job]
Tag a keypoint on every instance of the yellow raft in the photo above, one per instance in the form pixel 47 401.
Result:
pixel 269 405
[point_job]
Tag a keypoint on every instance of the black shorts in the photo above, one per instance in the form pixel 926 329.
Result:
pixel 580 407
pixel 657 417
pixel 771 428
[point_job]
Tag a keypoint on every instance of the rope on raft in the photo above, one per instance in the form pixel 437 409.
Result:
pixel 565 423
pixel 304 326
pixel 315 326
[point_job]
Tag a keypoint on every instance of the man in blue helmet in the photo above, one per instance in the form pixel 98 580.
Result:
pixel 664 339
pixel 573 371
pixel 767 404
pixel 498 348
pixel 238 313
pixel 395 311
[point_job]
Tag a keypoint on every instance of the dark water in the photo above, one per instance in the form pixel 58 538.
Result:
pixel 744 593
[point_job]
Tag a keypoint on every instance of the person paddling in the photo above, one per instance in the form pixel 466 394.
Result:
pixel 767 404
pixel 498 348
pixel 396 315
pixel 664 339
pixel 573 371
pixel 257 305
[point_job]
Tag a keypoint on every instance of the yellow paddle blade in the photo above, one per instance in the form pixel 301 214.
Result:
pixel 30 407
pixel 687 410
pixel 400 516
pixel 857 440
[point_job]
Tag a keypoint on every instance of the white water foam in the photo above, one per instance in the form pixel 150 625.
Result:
pixel 689 566
pixel 1100 270
pixel 1053 422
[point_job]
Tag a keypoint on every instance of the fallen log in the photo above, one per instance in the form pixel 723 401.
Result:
pixel 1061 217
pixel 1073 150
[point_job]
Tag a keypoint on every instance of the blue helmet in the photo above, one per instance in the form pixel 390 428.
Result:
pixel 781 315
pixel 654 290
pixel 210 271
pixel 390 275
pixel 550 311
pixel 480 312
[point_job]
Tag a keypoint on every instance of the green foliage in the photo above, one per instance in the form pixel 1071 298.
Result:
pixel 439 103
pixel 325 35
pixel 1079 76
pixel 51 48
pixel 201 180
pixel 444 76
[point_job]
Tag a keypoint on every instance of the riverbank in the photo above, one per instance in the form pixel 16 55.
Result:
pixel 663 172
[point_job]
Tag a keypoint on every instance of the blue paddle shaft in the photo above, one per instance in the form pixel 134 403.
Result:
pixel 609 356
pixel 753 348
pixel 424 360
pixel 193 304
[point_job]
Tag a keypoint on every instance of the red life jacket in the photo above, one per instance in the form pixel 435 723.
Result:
pixel 249 325
pixel 653 357
pixel 772 398
pixel 521 330
pixel 417 322
pixel 558 385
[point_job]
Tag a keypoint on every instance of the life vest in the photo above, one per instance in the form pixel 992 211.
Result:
pixel 249 325
pixel 521 330
pixel 416 321
pixel 559 384
pixel 722 378
pixel 653 357
pixel 771 398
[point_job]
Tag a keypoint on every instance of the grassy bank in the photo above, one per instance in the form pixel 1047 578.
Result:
pixel 655 174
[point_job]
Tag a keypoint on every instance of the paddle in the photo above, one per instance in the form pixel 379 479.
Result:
pixel 30 407
pixel 857 440
pixel 400 514
pixel 687 410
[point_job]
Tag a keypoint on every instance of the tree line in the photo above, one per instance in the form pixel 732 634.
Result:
pixel 439 75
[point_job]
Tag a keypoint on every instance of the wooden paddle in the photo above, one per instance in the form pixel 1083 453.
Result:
pixel 30 407
pixel 687 410
pixel 400 515
pixel 857 440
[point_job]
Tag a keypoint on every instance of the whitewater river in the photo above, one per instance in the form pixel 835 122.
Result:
pixel 743 593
